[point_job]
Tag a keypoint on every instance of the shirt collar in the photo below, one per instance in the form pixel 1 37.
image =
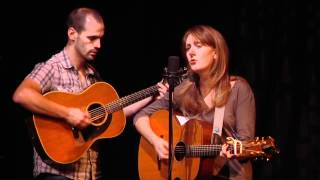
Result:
pixel 66 63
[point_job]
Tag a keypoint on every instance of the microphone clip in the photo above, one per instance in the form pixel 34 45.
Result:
pixel 175 77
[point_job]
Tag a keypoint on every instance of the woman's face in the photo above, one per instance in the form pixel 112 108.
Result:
pixel 200 56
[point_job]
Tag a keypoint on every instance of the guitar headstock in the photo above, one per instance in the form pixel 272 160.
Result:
pixel 263 148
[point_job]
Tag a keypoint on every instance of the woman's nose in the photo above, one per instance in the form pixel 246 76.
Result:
pixel 191 52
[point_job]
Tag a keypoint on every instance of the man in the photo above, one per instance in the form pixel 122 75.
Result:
pixel 70 71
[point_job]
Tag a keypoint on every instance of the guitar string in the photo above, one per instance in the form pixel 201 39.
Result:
pixel 99 112
pixel 203 150
pixel 204 147
pixel 208 150
pixel 217 145
pixel 113 106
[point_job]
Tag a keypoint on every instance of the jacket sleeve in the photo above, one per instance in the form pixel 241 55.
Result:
pixel 159 104
pixel 245 112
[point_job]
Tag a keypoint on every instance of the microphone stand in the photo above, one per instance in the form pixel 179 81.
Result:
pixel 171 81
pixel 172 72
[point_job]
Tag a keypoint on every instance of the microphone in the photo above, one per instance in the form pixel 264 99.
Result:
pixel 173 64
pixel 172 70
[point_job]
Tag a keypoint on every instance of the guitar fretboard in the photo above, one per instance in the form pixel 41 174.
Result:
pixel 203 150
pixel 200 150
pixel 130 99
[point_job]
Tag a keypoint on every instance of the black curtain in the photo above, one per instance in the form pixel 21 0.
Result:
pixel 273 45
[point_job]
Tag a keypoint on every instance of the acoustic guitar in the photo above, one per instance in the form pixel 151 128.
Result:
pixel 193 153
pixel 57 141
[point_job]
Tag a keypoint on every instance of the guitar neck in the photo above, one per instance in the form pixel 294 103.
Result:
pixel 130 99
pixel 203 150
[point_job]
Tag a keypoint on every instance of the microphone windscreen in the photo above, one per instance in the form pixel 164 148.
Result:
pixel 173 64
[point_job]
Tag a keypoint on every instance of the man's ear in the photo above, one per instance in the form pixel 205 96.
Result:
pixel 72 33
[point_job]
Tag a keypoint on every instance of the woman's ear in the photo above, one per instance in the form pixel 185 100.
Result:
pixel 215 56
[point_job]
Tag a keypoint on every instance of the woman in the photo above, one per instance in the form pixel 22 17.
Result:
pixel 208 86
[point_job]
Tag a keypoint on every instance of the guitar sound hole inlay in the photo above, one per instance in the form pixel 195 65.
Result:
pixel 98 114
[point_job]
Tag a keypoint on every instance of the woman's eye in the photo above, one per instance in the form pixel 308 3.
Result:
pixel 198 44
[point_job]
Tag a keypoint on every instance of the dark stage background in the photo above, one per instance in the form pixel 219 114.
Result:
pixel 273 45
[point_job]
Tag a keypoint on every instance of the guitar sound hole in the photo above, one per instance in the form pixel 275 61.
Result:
pixel 180 151
pixel 97 113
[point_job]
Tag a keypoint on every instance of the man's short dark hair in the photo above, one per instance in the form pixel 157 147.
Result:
pixel 76 18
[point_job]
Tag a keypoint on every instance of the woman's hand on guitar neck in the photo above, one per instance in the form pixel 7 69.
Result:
pixel 162 88
pixel 224 152
pixel 78 118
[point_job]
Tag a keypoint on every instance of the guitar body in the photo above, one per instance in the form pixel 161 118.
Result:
pixel 57 141
pixel 194 153
pixel 186 168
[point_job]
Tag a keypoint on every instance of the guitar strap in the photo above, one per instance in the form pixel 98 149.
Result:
pixel 218 117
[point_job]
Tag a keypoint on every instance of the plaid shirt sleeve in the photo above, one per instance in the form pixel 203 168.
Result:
pixel 43 73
